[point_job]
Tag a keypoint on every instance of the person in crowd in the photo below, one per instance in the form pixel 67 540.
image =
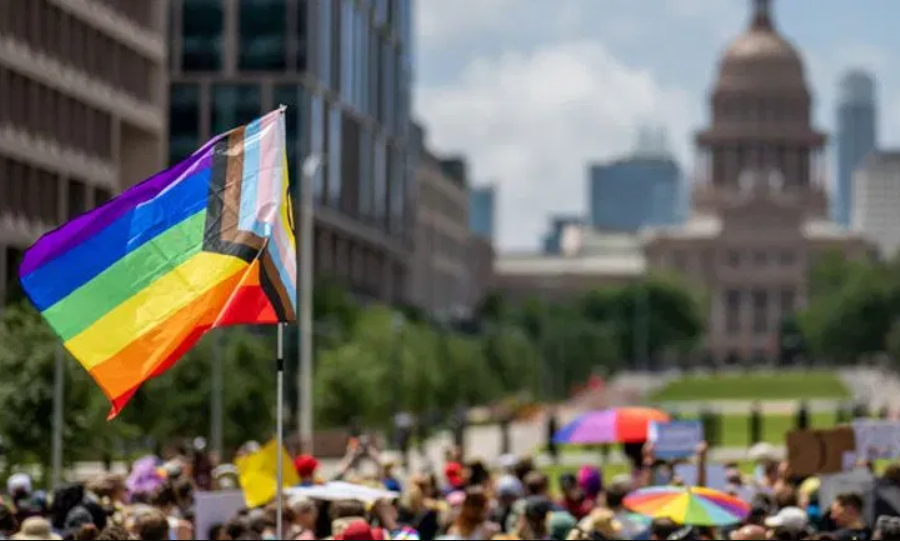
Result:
pixel 847 514
pixel 419 511
pixel 472 521
pixel 789 523
pixel 306 466
pixel 560 524
pixel 8 523
pixel 36 528
pixel 574 499
pixel 305 516
pixel 748 533
pixel 663 528
pixel 509 490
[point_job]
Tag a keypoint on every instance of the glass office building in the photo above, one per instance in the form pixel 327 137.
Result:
pixel 344 70
pixel 482 207
pixel 636 192
pixel 857 136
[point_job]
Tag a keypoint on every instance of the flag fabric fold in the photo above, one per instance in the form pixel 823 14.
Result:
pixel 132 285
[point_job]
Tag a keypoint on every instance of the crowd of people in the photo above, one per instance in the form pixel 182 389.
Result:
pixel 459 499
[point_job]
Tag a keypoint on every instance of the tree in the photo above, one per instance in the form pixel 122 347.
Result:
pixel 28 350
pixel 177 404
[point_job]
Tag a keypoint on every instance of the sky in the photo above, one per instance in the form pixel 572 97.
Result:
pixel 531 91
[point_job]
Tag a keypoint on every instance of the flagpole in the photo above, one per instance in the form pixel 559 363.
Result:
pixel 58 418
pixel 279 421
pixel 306 237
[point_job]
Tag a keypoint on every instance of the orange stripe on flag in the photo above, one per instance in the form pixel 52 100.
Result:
pixel 238 299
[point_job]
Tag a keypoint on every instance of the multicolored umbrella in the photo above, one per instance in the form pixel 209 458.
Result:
pixel 691 506
pixel 618 425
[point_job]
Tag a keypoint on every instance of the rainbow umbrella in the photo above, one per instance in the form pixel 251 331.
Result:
pixel 617 425
pixel 691 506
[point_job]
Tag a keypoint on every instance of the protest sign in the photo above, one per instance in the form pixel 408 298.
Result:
pixel 858 480
pixel 675 439
pixel 813 452
pixel 877 439
pixel 211 508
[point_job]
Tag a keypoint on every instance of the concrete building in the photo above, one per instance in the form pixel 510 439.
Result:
pixel 876 198
pixel 587 259
pixel 440 268
pixel 82 112
pixel 643 189
pixel 759 213
pixel 482 211
pixel 344 69
pixel 857 136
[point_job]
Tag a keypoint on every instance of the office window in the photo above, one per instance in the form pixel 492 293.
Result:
pixel 301 37
pixel 379 181
pixel 334 157
pixel 348 15
pixel 77 198
pixel 234 105
pixel 317 142
pixel 788 301
pixel 202 28
pixel 760 312
pixel 263 35
pixel 387 86
pixel 397 191
pixel 325 46
pixel 733 311
pixel 382 11
pixel 294 97
pixel 362 63
pixel 365 171
pixel 14 293
pixel 184 121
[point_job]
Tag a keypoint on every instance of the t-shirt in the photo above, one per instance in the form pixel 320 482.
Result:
pixel 851 534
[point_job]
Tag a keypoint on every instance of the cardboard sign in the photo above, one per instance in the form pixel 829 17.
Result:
pixel 211 508
pixel 675 439
pixel 813 452
pixel 877 439
pixel 859 480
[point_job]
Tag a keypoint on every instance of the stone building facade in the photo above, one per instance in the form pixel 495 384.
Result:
pixel 82 112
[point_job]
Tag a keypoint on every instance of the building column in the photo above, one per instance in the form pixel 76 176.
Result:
pixel 746 317
pixel 231 35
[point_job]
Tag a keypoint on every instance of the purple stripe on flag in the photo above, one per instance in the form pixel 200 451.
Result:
pixel 73 233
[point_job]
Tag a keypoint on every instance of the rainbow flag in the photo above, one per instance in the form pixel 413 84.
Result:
pixel 133 284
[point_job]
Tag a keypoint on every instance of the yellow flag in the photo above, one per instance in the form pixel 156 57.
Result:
pixel 258 474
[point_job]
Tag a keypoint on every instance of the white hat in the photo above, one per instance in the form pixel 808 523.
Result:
pixel 36 528
pixel 792 519
pixel 763 452
pixel 17 482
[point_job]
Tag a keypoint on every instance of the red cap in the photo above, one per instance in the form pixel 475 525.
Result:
pixel 359 530
pixel 453 471
pixel 306 465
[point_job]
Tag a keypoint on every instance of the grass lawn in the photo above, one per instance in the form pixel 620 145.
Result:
pixel 735 429
pixel 770 386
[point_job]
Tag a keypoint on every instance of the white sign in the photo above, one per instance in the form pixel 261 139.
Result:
pixel 211 508
pixel 339 490
pixel 877 439
pixel 859 480
pixel 675 439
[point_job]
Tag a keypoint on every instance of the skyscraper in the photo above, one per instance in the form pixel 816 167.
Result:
pixel 343 68
pixel 82 116
pixel 643 189
pixel 481 211
pixel 857 136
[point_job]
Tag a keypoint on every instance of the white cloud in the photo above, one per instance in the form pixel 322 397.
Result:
pixel 449 22
pixel 532 121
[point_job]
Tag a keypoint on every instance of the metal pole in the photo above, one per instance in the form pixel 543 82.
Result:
pixel 306 238
pixel 58 420
pixel 279 438
pixel 217 392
